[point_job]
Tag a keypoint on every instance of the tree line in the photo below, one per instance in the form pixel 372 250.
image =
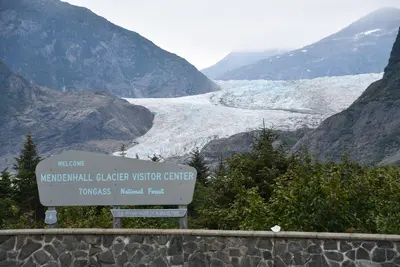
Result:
pixel 247 191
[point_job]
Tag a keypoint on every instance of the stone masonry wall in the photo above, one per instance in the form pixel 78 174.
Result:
pixel 194 248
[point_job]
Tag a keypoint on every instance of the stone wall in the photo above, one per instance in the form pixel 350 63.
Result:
pixel 195 248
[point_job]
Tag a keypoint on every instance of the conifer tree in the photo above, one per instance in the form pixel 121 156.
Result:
pixel 5 184
pixel 26 190
pixel 197 161
pixel 156 158
pixel 221 168
pixel 123 150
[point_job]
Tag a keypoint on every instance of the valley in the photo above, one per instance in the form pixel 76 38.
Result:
pixel 177 107
pixel 182 124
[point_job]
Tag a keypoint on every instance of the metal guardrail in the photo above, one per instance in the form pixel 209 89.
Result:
pixel 199 232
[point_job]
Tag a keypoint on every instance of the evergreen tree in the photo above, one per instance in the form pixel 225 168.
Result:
pixel 221 168
pixel 200 196
pixel 265 163
pixel 243 185
pixel 5 184
pixel 156 158
pixel 123 150
pixel 26 190
pixel 197 161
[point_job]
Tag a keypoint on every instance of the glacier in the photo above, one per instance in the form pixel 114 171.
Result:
pixel 184 123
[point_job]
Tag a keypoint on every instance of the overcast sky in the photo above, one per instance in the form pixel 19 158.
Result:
pixel 204 31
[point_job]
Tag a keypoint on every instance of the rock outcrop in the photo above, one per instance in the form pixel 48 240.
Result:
pixel 223 148
pixel 54 44
pixel 369 130
pixel 92 121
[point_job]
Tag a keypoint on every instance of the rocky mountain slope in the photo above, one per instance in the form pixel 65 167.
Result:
pixel 93 121
pixel 362 47
pixel 369 130
pixel 243 142
pixel 61 46
pixel 238 59
pixel 239 143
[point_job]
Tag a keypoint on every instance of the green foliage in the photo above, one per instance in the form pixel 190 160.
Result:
pixel 26 193
pixel 386 199
pixel 197 161
pixel 221 168
pixel 257 169
pixel 201 198
pixel 84 217
pixel 9 212
pixel 249 191
pixel 266 187
pixel 336 197
pixel 250 209
pixel 242 177
pixel 5 184
pixel 152 223
pixel 246 212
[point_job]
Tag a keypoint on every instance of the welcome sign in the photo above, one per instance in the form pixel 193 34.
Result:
pixel 78 178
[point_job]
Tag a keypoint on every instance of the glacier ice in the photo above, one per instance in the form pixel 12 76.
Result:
pixel 184 123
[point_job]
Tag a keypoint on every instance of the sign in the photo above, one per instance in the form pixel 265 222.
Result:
pixel 153 213
pixel 50 217
pixel 78 178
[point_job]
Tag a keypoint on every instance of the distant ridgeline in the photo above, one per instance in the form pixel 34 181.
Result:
pixel 361 47
pixel 61 46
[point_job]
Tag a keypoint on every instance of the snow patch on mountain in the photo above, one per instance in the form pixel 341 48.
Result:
pixel 184 123
pixel 371 31
pixel 360 48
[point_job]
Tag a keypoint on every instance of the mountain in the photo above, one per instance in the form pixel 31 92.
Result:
pixel 243 142
pixel 362 47
pixel 93 121
pixel 238 59
pixel 69 48
pixel 368 130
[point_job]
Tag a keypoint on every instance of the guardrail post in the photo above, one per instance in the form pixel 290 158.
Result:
pixel 116 220
pixel 183 222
